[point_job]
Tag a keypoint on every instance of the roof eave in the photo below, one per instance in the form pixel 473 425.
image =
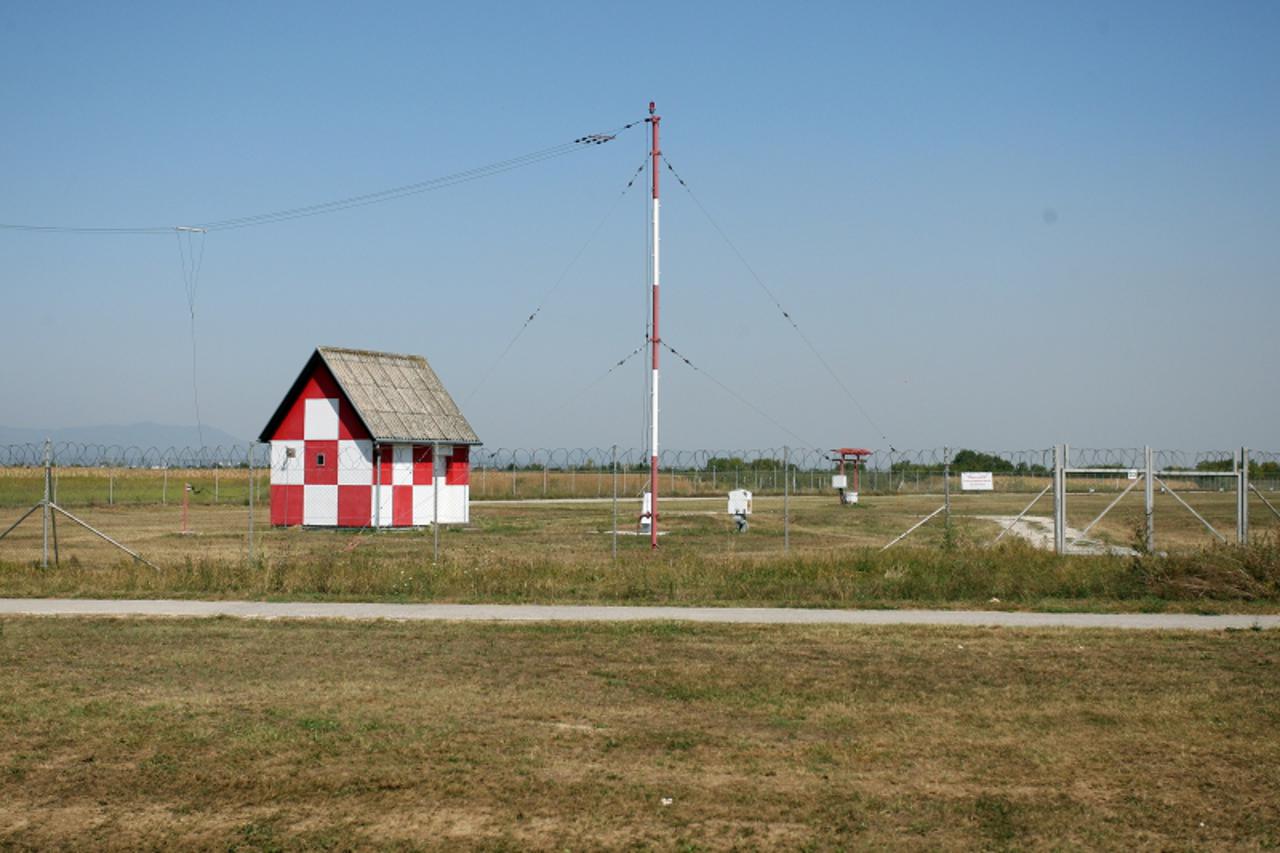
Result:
pixel 283 408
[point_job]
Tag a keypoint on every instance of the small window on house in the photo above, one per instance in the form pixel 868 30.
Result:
pixel 319 460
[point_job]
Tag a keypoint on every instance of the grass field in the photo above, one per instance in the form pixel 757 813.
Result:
pixel 552 551
pixel 271 736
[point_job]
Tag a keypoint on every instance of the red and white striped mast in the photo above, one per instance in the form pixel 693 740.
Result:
pixel 655 342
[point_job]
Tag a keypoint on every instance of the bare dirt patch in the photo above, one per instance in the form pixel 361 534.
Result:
pixel 1038 530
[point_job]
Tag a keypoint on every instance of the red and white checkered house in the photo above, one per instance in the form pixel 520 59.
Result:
pixel 355 442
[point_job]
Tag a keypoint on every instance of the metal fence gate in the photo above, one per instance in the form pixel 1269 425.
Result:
pixel 1151 475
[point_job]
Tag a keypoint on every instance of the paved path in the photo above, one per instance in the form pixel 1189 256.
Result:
pixel 585 613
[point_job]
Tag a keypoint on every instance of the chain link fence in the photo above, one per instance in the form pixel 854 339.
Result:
pixel 111 474
pixel 212 506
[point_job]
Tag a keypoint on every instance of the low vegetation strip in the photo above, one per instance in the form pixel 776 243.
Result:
pixel 563 554
pixel 236 734
pixel 395 569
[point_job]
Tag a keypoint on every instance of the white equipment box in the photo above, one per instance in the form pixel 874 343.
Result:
pixel 739 502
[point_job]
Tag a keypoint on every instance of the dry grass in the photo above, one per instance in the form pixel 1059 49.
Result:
pixel 561 552
pixel 238 735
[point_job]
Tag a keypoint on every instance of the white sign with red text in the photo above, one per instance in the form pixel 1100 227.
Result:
pixel 976 481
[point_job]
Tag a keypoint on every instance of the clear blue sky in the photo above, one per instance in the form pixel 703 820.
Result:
pixel 1005 225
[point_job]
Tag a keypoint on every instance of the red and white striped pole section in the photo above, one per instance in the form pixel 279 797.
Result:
pixel 656 342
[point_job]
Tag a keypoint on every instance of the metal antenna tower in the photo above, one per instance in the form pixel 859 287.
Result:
pixel 655 340
pixel 49 506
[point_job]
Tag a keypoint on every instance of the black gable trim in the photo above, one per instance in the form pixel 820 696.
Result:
pixel 296 389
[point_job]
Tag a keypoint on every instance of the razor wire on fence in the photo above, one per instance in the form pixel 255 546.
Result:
pixel 1036 462
pixel 72 454
pixel 800 458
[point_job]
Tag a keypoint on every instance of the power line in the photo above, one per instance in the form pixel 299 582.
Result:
pixel 581 143
pixel 759 411
pixel 73 229
pixel 559 280
pixel 594 382
pixel 402 191
pixel 773 298
pixel 191 264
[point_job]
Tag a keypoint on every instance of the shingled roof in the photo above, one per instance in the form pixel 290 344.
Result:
pixel 397 397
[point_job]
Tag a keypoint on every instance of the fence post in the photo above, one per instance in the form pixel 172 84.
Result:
pixel 377 486
pixel 215 486
pixel 544 479
pixel 251 503
pixel 111 488
pixel 946 487
pixel 1242 498
pixel 613 464
pixel 48 496
pixel 1059 501
pixel 1149 497
pixel 164 488
pixel 786 499
pixel 436 476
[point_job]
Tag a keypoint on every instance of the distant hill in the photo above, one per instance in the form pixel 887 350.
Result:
pixel 141 435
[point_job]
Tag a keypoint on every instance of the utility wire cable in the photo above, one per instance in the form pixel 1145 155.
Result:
pixel 581 143
pixel 564 273
pixel 773 298
pixel 191 264
pixel 750 405
pixel 75 229
pixel 411 189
